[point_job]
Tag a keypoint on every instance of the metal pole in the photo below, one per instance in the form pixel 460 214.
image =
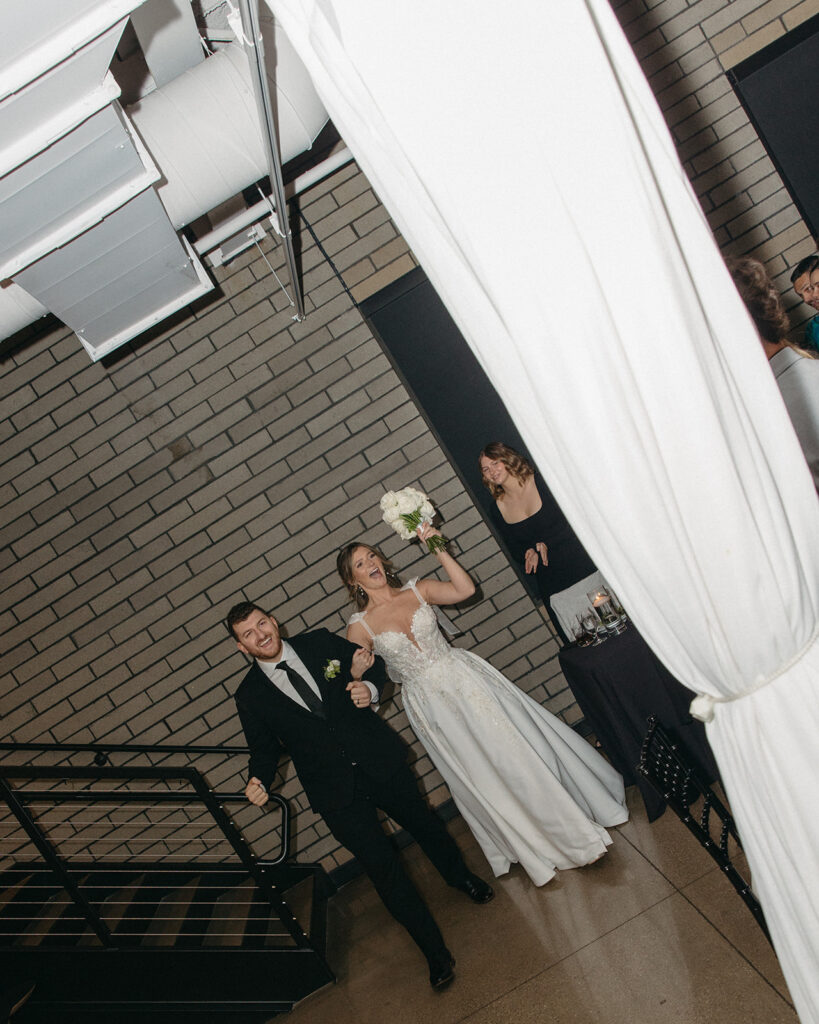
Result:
pixel 253 38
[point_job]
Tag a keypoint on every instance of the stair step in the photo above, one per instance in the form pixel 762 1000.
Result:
pixel 28 901
pixel 185 909
pixel 111 985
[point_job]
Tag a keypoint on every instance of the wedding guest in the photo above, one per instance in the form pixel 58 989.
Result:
pixel 532 524
pixel 529 787
pixel 308 694
pixel 805 281
pixel 796 370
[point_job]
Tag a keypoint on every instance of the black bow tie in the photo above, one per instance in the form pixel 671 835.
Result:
pixel 303 689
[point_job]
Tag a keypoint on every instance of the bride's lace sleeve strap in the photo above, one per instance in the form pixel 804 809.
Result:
pixel 361 617
pixel 410 585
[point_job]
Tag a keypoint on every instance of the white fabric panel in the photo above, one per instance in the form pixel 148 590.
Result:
pixel 522 156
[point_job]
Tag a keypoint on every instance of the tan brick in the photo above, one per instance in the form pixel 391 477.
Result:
pixel 751 44
pixel 385 276
pixel 765 13
pixel 799 13
pixel 729 38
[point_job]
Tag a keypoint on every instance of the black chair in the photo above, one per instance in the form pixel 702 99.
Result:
pixel 664 765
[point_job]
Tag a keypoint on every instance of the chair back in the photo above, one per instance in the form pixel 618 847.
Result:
pixel 664 764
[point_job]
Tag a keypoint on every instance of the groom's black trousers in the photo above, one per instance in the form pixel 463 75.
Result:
pixel 357 827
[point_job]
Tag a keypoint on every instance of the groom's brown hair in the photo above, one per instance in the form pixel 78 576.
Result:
pixel 239 612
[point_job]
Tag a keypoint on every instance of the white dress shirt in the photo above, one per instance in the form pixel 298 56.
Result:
pixel 281 682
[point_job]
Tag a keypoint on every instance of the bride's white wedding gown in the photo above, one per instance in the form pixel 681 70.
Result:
pixel 531 790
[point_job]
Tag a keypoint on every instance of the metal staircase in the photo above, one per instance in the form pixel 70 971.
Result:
pixel 129 892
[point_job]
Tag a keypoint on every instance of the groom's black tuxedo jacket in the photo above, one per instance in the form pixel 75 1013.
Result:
pixel 323 750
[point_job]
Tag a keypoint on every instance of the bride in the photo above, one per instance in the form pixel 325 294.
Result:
pixel 531 790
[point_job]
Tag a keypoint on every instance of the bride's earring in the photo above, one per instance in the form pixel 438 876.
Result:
pixel 359 591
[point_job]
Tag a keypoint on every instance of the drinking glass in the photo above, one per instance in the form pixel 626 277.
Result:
pixel 593 627
pixel 581 635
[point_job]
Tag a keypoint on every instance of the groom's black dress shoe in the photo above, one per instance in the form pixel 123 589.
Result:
pixel 441 970
pixel 476 889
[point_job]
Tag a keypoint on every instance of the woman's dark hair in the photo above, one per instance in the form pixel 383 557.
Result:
pixel 518 465
pixel 805 266
pixel 344 565
pixel 762 298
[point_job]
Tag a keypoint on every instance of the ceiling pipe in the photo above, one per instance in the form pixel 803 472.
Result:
pixel 250 21
pixel 265 208
pixel 203 132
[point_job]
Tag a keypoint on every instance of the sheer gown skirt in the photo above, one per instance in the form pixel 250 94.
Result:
pixel 531 790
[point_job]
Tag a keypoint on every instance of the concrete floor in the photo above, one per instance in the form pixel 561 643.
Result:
pixel 651 933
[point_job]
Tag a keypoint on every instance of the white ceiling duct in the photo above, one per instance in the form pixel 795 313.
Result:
pixel 38 34
pixel 202 129
pixel 198 137
pixel 18 309
pixel 69 187
pixel 68 93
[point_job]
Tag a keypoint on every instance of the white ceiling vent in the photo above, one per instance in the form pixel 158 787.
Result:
pixel 129 272
pixel 92 196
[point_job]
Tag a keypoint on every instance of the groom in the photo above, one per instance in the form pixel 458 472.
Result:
pixel 308 695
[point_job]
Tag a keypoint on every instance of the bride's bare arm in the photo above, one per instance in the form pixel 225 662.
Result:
pixel 457 588
pixel 357 634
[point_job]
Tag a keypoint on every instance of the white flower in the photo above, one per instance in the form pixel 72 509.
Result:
pixel 409 500
pixel 405 510
pixel 389 501
pixel 332 668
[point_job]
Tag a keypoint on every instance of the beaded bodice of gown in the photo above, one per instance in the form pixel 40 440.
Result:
pixel 411 659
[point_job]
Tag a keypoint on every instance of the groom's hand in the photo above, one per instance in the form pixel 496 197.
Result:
pixel 256 793
pixel 360 693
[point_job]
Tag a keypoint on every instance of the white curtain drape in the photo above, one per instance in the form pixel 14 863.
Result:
pixel 522 155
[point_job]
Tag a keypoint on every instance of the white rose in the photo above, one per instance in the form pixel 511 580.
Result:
pixel 408 501
pixel 390 500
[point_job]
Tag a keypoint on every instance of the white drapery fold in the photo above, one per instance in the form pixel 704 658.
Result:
pixel 523 157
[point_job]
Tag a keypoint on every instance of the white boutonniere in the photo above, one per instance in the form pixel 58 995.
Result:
pixel 332 669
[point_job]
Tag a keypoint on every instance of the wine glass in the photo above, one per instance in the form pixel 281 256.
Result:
pixel 592 624
pixel 581 635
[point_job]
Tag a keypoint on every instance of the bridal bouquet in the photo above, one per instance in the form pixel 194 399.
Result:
pixel 405 510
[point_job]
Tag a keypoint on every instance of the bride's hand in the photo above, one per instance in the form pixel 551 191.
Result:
pixel 425 531
pixel 362 660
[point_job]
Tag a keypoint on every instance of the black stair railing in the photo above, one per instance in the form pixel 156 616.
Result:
pixel 63 791
pixel 114 873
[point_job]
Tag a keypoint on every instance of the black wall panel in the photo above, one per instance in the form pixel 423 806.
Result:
pixel 779 89
pixel 447 383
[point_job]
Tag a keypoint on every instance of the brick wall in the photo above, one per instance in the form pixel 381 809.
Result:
pixel 232 451
pixel 229 454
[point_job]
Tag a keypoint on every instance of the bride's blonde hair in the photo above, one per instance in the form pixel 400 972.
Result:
pixel 344 565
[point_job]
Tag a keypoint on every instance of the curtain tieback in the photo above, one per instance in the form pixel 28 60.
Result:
pixel 703 705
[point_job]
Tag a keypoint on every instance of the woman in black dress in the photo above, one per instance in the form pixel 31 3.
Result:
pixel 532 524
